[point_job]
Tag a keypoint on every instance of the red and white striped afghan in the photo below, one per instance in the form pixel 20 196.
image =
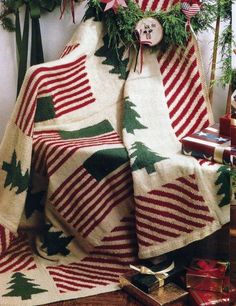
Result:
pixel 71 125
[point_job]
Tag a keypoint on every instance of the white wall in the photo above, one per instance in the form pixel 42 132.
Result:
pixel 56 33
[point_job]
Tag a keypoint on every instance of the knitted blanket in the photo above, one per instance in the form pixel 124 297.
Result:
pixel 91 156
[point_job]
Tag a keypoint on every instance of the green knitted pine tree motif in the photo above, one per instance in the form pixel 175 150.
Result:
pixel 15 177
pixel 145 158
pixel 23 287
pixel 130 122
pixel 54 242
pixel 113 58
pixel 223 182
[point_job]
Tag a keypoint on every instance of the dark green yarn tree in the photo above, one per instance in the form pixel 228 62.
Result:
pixel 23 287
pixel 54 242
pixel 15 177
pixel 130 121
pixel 145 158
pixel 223 182
pixel 113 58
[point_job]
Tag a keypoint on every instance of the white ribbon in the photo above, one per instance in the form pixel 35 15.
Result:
pixel 160 275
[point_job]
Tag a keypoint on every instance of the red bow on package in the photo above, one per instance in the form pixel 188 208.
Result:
pixel 210 268
pixel 190 8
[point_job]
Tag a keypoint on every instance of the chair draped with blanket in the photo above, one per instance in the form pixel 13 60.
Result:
pixel 93 146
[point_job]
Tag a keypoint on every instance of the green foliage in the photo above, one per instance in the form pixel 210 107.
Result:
pixel 130 121
pixel 173 23
pixel 14 177
pixel 36 8
pixel 121 26
pixel 204 20
pixel 226 49
pixel 233 80
pixel 55 242
pixel 7 23
pixel 144 157
pixel 23 287
pixel 223 182
pixel 226 41
pixel 113 57
pixel 225 7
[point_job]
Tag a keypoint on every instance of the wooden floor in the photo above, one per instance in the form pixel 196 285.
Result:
pixel 118 298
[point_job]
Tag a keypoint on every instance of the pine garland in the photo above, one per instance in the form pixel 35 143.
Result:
pixel 121 25
pixel 226 40
pixel 226 50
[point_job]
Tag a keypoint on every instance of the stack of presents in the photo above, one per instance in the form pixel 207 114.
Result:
pixel 216 143
pixel 199 282
pixel 202 282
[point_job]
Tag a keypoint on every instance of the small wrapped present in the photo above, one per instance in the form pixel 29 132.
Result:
pixel 208 144
pixel 170 294
pixel 232 293
pixel 225 122
pixel 208 298
pixel 155 276
pixel 233 132
pixel 206 275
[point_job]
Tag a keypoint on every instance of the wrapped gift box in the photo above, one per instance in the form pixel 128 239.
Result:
pixel 233 156
pixel 206 275
pixel 225 122
pixel 208 298
pixel 208 144
pixel 155 276
pixel 233 134
pixel 232 293
pixel 170 294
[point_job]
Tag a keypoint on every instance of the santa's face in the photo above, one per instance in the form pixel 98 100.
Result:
pixel 150 31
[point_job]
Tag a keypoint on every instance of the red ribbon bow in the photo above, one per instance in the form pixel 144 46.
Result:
pixel 210 268
pixel 72 7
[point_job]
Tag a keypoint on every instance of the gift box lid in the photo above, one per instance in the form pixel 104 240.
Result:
pixel 208 298
pixel 208 268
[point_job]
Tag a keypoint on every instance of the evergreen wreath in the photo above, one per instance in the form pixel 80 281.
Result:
pixel 121 24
